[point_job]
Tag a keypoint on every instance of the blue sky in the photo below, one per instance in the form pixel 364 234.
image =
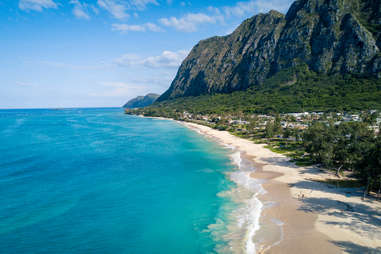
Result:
pixel 95 53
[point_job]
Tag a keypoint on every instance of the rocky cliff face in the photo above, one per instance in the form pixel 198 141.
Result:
pixel 329 36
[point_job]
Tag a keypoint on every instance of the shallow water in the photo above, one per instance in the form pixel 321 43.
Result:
pixel 98 181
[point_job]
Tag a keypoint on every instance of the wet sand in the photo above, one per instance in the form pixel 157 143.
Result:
pixel 285 228
pixel 301 215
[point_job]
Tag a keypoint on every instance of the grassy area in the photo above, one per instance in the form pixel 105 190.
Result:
pixel 292 149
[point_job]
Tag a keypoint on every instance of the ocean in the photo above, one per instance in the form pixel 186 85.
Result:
pixel 99 181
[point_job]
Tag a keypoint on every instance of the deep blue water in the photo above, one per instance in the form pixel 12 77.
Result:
pixel 98 181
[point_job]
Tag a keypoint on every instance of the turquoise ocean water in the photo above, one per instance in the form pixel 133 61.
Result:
pixel 98 181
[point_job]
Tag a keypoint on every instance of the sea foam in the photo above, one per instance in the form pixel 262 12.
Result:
pixel 249 208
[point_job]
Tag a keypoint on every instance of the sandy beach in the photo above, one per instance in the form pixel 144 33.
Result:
pixel 301 215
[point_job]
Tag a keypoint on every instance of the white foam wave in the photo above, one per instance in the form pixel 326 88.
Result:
pixel 236 158
pixel 238 229
pixel 255 209
pixel 244 179
pixel 249 212
pixel 229 146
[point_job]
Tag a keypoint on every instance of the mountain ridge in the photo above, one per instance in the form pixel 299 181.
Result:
pixel 336 37
pixel 141 101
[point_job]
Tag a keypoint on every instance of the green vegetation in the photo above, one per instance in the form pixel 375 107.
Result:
pixel 349 146
pixel 311 92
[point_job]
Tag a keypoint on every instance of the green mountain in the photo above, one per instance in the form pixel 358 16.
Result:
pixel 141 101
pixel 318 43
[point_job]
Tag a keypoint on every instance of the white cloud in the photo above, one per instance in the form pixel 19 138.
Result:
pixel 240 9
pixel 80 10
pixel 118 8
pixel 125 28
pixel 136 28
pixel 252 7
pixel 168 59
pixel 36 5
pixel 115 8
pixel 153 27
pixel 279 5
pixel 189 22
pixel 141 4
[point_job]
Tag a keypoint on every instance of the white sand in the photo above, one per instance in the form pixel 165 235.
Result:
pixel 340 220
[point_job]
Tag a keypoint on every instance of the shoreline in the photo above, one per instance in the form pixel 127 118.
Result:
pixel 299 214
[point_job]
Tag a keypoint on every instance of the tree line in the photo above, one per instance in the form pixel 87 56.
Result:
pixel 351 146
